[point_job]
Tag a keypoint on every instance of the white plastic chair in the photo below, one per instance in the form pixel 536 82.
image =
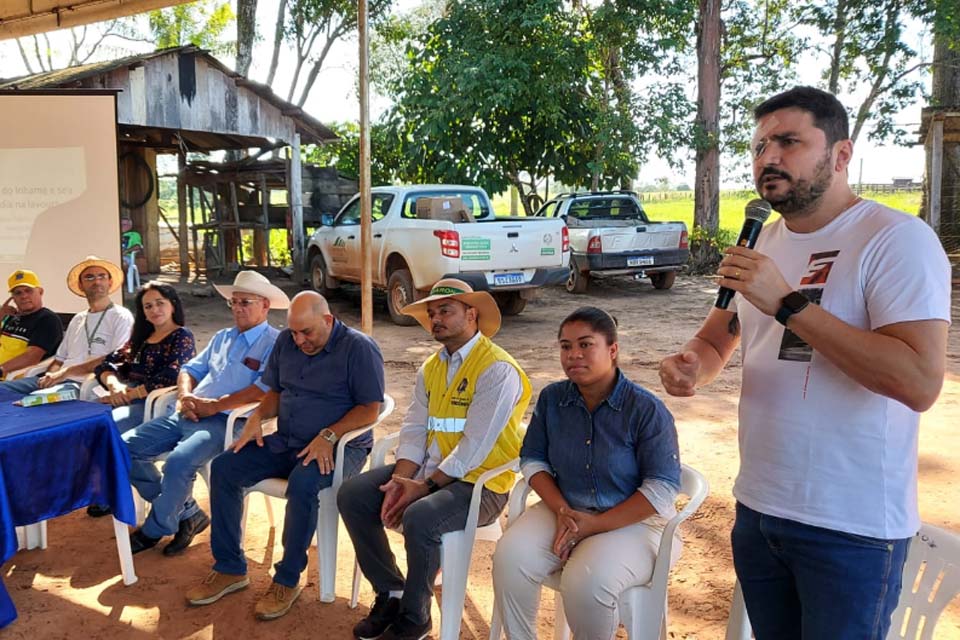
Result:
pixel 456 546
pixel 643 608
pixel 931 580
pixel 133 273
pixel 34 370
pixel 328 516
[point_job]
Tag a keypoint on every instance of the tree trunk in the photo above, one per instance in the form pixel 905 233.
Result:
pixel 706 198
pixel 946 94
pixel 839 39
pixel 246 33
pixel 277 41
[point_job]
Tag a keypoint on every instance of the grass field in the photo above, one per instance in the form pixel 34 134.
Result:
pixel 679 206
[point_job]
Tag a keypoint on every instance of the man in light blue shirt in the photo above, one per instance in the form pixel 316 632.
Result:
pixel 224 376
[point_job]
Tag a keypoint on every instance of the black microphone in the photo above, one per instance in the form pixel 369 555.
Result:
pixel 755 214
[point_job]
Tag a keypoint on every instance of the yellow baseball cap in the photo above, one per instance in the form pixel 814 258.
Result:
pixel 22 278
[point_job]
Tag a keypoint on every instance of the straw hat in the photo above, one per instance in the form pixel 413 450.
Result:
pixel 488 313
pixel 257 284
pixel 73 278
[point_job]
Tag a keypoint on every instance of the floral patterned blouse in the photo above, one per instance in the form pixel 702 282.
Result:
pixel 156 365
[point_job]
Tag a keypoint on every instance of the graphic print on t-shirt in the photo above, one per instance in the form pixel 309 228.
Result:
pixel 792 346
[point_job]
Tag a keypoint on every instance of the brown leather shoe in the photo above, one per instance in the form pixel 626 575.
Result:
pixel 276 601
pixel 215 586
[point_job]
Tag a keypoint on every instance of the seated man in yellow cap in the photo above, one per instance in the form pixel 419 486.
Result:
pixel 30 332
pixel 465 419
pixel 96 331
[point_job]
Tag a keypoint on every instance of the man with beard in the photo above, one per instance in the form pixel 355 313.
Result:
pixel 842 309
pixel 464 420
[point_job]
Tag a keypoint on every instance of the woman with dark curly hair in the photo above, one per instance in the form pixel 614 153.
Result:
pixel 159 345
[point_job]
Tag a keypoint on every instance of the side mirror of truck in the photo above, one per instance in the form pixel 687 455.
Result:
pixel 326 219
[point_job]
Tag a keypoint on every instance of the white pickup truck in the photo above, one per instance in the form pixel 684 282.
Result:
pixel 412 248
pixel 610 235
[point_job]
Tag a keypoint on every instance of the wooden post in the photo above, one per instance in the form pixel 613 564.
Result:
pixel 193 229
pixel 182 215
pixel 366 274
pixel 936 172
pixel 151 211
pixel 296 209
pixel 265 205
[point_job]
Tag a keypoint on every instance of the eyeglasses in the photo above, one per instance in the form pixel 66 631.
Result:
pixel 93 277
pixel 242 302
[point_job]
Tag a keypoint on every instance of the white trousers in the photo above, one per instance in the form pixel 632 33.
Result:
pixel 598 570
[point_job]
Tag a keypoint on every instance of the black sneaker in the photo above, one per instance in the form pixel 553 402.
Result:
pixel 186 532
pixel 382 614
pixel 406 629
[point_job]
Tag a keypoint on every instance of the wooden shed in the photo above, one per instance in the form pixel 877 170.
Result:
pixel 183 100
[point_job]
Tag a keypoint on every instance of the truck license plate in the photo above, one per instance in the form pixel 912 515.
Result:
pixel 642 261
pixel 500 279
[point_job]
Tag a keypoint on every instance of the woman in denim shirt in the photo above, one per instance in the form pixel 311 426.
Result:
pixel 601 452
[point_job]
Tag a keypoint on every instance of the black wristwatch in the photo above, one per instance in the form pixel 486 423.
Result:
pixel 794 302
pixel 431 485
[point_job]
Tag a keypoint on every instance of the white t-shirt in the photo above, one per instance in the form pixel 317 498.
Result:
pixel 815 446
pixel 91 335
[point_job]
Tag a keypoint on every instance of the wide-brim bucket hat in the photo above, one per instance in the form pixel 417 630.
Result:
pixel 488 313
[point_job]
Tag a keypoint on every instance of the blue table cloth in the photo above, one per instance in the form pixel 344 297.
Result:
pixel 54 459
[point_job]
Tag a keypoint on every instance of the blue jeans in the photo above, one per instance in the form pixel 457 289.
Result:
pixel 190 445
pixel 29 385
pixel 233 473
pixel 809 583
pixel 129 416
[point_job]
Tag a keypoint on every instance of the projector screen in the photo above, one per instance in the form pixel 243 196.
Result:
pixel 59 200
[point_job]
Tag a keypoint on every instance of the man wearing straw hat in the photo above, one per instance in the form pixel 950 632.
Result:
pixel 465 419
pixel 224 376
pixel 93 333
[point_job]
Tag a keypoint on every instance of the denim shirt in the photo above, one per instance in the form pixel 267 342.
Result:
pixel 232 361
pixel 600 459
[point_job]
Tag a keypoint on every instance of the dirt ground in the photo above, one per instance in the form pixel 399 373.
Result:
pixel 73 589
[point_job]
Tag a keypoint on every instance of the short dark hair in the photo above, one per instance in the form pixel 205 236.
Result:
pixel 597 319
pixel 828 114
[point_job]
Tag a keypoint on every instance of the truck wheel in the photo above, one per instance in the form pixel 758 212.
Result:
pixel 510 302
pixel 400 293
pixel 663 280
pixel 578 281
pixel 319 276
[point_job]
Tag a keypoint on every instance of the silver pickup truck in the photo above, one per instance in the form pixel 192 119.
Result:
pixel 610 235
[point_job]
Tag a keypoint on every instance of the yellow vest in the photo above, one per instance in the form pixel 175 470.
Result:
pixel 448 409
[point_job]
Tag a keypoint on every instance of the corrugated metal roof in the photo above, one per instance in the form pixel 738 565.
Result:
pixel 309 127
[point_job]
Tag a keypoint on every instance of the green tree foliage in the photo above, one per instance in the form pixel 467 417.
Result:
pixel 503 93
pixel 759 51
pixel 867 54
pixel 344 154
pixel 202 23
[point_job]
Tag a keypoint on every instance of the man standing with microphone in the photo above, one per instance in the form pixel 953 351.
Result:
pixel 842 310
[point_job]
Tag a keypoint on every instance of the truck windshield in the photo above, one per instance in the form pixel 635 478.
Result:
pixel 474 201
pixel 593 208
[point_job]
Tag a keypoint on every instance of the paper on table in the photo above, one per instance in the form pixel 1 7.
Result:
pixel 100 392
